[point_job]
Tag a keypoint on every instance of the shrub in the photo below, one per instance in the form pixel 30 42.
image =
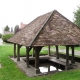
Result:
pixel 0 35
pixel 6 37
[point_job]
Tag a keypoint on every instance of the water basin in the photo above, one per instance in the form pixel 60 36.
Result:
pixel 44 68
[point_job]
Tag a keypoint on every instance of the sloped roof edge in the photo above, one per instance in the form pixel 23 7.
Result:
pixel 41 28
pixel 67 18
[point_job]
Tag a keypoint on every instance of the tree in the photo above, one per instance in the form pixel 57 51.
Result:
pixel 0 35
pixel 77 17
pixel 6 28
pixel 16 29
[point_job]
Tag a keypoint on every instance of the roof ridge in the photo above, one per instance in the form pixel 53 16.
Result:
pixel 41 29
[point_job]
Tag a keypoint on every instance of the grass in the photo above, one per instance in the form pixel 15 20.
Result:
pixel 10 71
pixel 77 48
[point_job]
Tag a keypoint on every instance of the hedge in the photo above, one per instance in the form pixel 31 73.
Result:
pixel 6 37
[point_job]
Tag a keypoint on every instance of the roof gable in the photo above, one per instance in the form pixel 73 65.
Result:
pixel 58 31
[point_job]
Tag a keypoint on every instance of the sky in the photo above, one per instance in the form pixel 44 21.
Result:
pixel 13 12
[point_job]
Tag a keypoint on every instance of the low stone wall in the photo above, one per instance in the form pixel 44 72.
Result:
pixel 77 59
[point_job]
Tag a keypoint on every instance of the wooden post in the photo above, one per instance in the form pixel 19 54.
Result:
pixel 18 52
pixel 33 52
pixel 48 68
pixel 14 50
pixel 37 50
pixel 49 50
pixel 27 56
pixel 57 52
pixel 67 58
pixel 37 61
pixel 72 59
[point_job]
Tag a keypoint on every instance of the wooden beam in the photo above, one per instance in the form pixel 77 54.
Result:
pixel 57 52
pixel 49 50
pixel 72 58
pixel 67 58
pixel 14 50
pixel 27 56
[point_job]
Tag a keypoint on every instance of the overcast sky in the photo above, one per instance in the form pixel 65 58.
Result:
pixel 13 12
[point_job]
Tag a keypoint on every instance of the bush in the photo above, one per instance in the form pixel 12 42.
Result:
pixel 0 35
pixel 6 37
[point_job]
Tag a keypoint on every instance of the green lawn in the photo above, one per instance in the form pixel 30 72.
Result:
pixel 10 71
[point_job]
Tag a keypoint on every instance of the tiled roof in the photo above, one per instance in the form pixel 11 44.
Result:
pixel 49 29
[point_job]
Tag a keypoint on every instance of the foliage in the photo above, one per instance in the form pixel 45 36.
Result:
pixel 6 28
pixel 16 29
pixel 0 35
pixel 77 17
pixel 6 37
pixel 10 71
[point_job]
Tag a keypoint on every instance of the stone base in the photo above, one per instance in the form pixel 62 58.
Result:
pixel 18 59
pixel 28 66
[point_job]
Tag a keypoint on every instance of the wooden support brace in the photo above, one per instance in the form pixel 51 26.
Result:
pixel 29 48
